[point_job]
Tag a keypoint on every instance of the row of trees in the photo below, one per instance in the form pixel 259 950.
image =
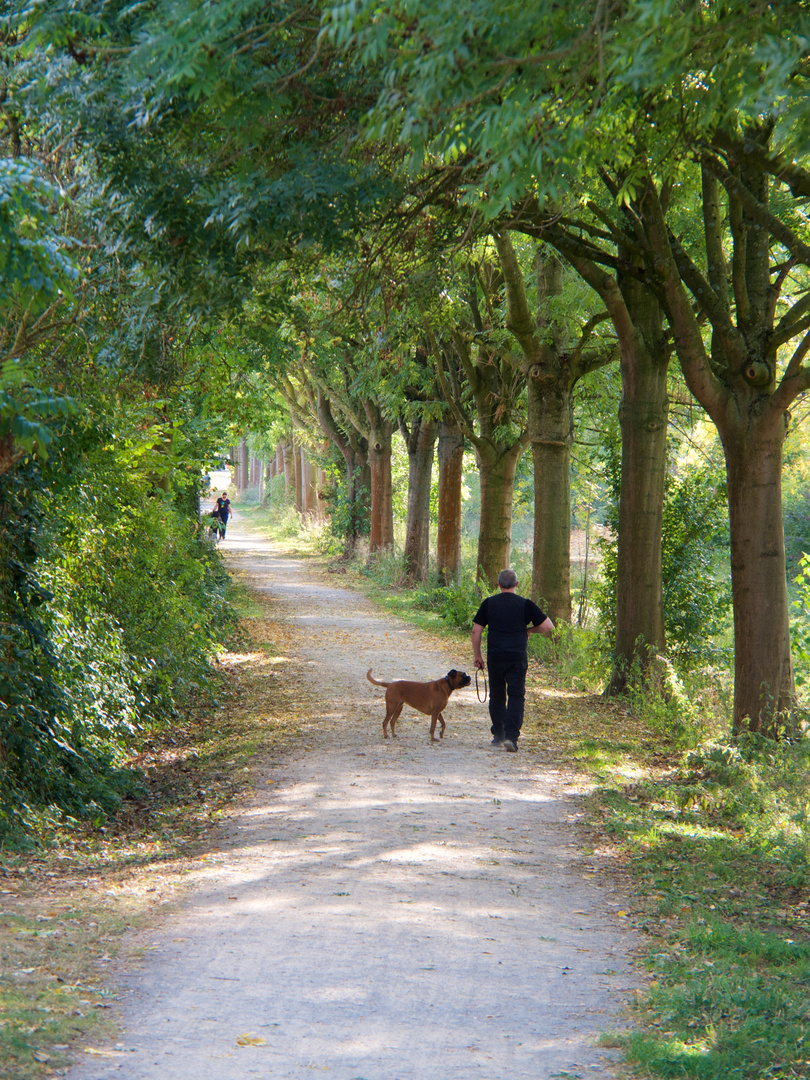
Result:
pixel 452 224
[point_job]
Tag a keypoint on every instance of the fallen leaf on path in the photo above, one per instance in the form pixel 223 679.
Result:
pixel 250 1040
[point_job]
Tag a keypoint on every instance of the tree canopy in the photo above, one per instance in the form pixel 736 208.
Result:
pixel 338 226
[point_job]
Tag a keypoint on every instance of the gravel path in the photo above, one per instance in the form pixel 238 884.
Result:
pixel 382 910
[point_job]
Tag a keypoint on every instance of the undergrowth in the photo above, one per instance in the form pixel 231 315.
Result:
pixel 714 831
pixel 719 846
pixel 64 906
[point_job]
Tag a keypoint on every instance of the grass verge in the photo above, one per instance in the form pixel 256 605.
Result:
pixel 64 908
pixel 719 848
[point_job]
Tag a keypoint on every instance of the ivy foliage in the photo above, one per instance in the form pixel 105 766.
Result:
pixel 112 603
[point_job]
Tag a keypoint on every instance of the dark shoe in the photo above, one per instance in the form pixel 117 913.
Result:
pixel 496 742
pixel 510 746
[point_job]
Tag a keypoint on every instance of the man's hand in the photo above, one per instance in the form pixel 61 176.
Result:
pixel 477 631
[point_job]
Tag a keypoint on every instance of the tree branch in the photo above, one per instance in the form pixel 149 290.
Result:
pixel 757 211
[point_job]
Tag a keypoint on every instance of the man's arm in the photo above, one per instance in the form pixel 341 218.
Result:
pixel 477 631
pixel 546 628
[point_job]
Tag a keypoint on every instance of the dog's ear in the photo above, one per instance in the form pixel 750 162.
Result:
pixel 451 673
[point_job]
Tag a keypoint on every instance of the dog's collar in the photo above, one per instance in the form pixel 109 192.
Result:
pixel 447 680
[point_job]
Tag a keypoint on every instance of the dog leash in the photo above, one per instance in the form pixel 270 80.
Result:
pixel 478 672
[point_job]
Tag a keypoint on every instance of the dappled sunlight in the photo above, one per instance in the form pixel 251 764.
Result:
pixel 374 902
pixel 257 659
pixel 556 693
pixel 666 829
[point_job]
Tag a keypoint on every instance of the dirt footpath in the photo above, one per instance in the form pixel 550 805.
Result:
pixel 380 910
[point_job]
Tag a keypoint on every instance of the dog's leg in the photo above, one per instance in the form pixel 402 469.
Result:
pixel 433 718
pixel 441 721
pixel 386 721
pixel 394 718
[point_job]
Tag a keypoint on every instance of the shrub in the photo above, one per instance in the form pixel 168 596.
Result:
pixel 696 580
pixel 456 603
pixel 111 605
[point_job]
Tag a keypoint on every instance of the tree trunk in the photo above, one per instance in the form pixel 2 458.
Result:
pixel 497 473
pixel 243 481
pixel 382 506
pixel 322 485
pixel 737 385
pixel 309 495
pixel 763 674
pixel 420 441
pixel 496 383
pixel 552 366
pixel 289 469
pixel 643 417
pixel 297 472
pixel 353 448
pixel 550 423
pixel 9 454
pixel 451 474
pixel 267 486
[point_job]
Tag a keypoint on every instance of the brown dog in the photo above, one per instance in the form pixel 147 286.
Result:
pixel 426 697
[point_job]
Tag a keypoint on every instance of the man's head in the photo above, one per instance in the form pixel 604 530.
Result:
pixel 507 579
pixel 224 494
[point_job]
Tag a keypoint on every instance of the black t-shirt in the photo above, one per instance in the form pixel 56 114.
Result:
pixel 506 616
pixel 223 509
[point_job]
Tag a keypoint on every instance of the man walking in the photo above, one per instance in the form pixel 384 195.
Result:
pixel 507 616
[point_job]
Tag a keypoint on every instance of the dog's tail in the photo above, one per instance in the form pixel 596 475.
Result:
pixel 375 681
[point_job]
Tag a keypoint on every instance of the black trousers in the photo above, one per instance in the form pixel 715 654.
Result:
pixel 507 693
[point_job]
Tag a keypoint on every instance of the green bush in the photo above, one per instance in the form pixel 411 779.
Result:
pixel 696 578
pixel 456 603
pixel 800 628
pixel 112 604
pixel 573 652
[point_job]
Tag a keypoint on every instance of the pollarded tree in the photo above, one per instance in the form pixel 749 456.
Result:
pixel 599 242
pixel 418 425
pixel 553 360
pixel 745 154
pixel 483 389
pixel 317 385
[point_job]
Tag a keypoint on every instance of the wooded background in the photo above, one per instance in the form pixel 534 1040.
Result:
pixel 548 260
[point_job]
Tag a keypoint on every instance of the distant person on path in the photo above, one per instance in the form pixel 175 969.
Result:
pixel 223 512
pixel 214 526
pixel 507 616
